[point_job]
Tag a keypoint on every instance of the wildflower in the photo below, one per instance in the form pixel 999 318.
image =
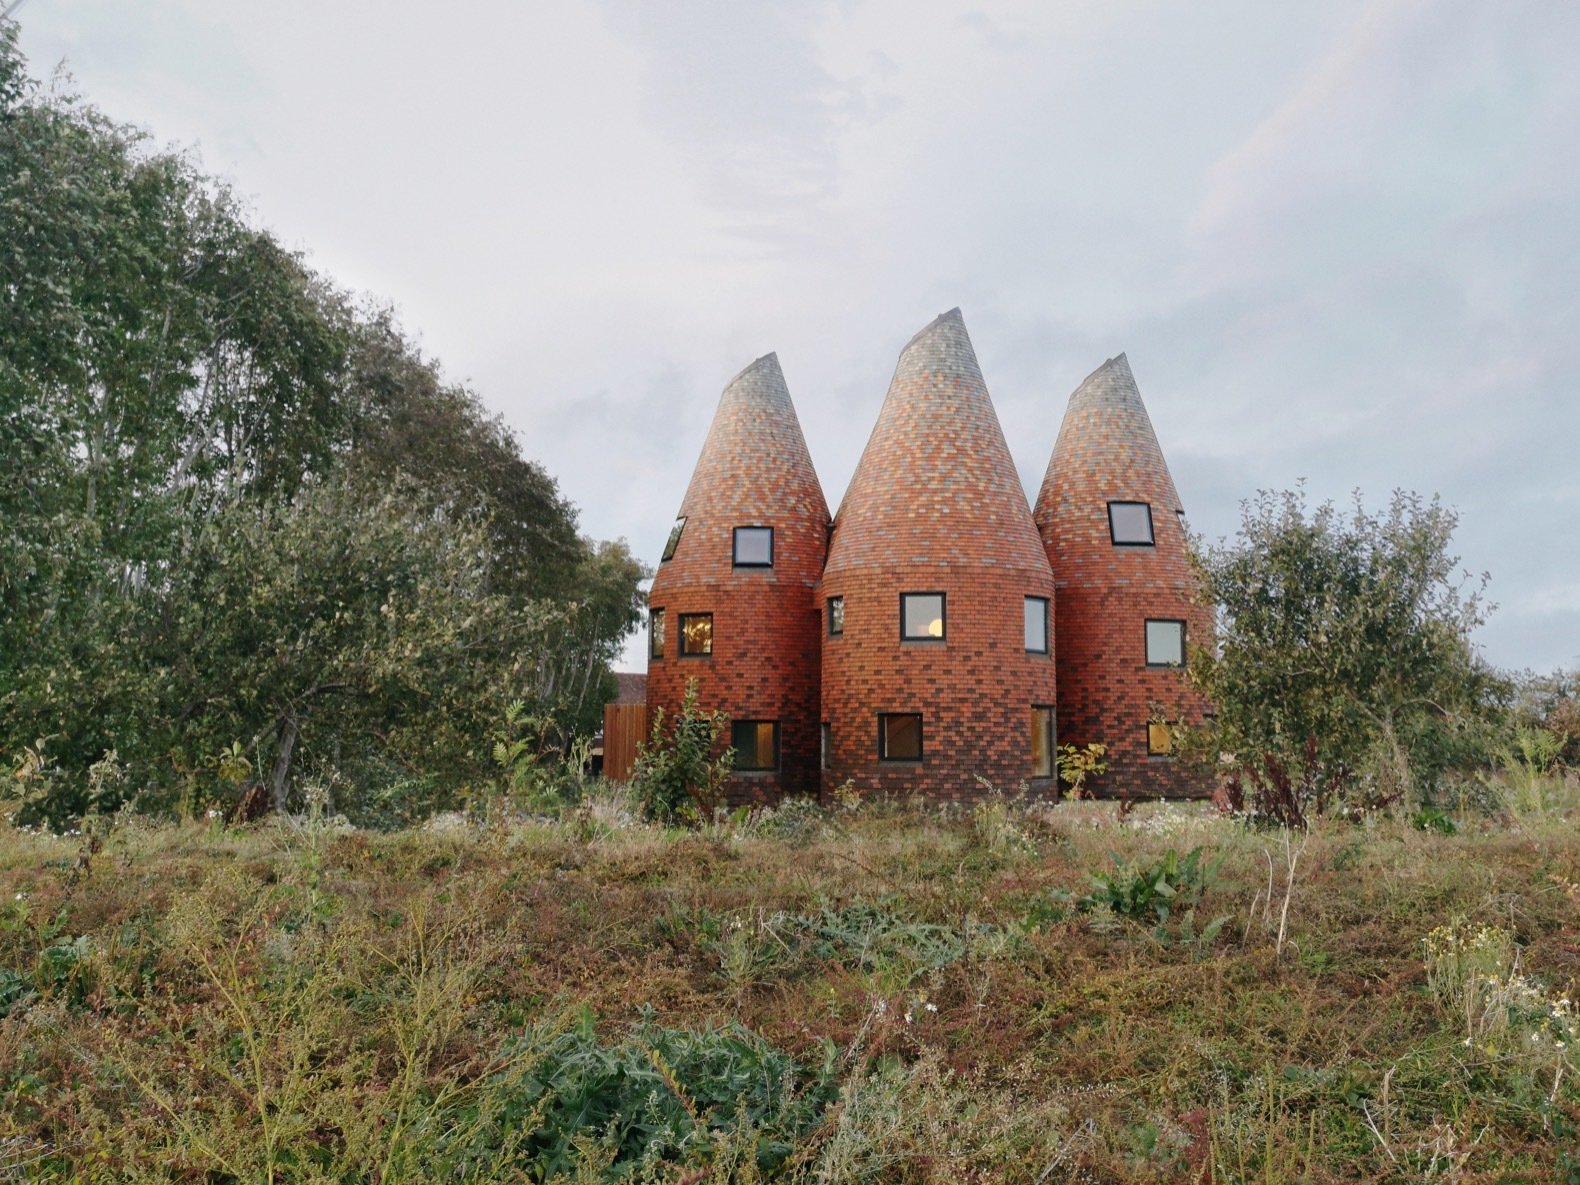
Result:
pixel 931 1007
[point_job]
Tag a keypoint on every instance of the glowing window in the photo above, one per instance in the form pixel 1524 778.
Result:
pixel 1160 738
pixel 696 635
pixel 756 744
pixel 922 617
pixel 1041 742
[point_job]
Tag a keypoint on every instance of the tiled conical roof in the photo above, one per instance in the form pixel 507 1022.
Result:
pixel 1106 447
pixel 936 483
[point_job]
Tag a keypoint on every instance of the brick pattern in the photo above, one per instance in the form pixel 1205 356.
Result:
pixel 1107 451
pixel 754 470
pixel 935 505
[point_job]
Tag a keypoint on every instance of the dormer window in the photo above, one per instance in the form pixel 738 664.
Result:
pixel 1130 524
pixel 922 617
pixel 754 547
pixel 674 539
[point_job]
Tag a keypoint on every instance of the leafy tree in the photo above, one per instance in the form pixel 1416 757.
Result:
pixel 1343 640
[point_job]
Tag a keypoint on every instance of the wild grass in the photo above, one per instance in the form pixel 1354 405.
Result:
pixel 1014 993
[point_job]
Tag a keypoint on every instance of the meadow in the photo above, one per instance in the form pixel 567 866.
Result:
pixel 1011 992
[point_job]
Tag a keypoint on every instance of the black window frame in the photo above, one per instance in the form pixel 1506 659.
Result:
pixel 684 652
pixel 943 617
pixel 1047 631
pixel 1168 727
pixel 883 737
pixel 755 769
pixel 657 639
pixel 673 541
pixel 735 547
pixel 1052 739
pixel 832 601
pixel 1146 647
pixel 1152 527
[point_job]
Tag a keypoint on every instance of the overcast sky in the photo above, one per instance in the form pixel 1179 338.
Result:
pixel 1339 241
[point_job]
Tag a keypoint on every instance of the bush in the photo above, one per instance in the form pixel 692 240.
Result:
pixel 677 775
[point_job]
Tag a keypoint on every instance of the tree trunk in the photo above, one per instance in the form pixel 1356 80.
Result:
pixel 280 774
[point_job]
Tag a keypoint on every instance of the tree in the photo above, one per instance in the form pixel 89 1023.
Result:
pixel 1343 636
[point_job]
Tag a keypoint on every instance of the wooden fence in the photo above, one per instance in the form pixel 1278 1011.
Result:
pixel 624 725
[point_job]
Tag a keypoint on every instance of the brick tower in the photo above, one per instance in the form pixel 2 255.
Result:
pixel 937 597
pixel 731 605
pixel 1114 530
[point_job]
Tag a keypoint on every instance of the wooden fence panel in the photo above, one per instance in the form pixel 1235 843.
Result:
pixel 624 726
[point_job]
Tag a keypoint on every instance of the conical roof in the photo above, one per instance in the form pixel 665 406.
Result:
pixel 754 470
pixel 936 484
pixel 1106 449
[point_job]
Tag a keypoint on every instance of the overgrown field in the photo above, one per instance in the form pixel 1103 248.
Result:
pixel 1012 993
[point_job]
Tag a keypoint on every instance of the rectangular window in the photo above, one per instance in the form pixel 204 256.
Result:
pixel 1165 643
pixel 1130 523
pixel 754 547
pixel 1037 625
pixel 921 617
pixel 1160 738
pixel 655 633
pixel 696 635
pixel 828 745
pixel 899 736
pixel 836 616
pixel 756 745
pixel 1041 742
pixel 674 539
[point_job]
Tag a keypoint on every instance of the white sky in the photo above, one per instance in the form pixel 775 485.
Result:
pixel 1339 241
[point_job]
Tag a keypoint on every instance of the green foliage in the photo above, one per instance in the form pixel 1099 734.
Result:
pixel 1348 634
pixel 1172 884
pixel 1076 765
pixel 677 774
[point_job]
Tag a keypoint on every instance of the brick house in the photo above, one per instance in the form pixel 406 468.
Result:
pixel 937 630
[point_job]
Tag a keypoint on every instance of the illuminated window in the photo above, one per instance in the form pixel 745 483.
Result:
pixel 696 635
pixel 1037 625
pixel 1042 742
pixel 756 745
pixel 921 617
pixel 1160 738
pixel 674 539
pixel 655 633
pixel 836 615
pixel 1165 643
pixel 899 736
pixel 1130 523
pixel 754 547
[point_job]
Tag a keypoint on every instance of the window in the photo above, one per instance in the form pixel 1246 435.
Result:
pixel 921 617
pixel 828 745
pixel 1042 742
pixel 1037 625
pixel 655 633
pixel 899 736
pixel 1130 523
pixel 836 616
pixel 756 745
pixel 754 547
pixel 696 635
pixel 674 539
pixel 1165 643
pixel 1160 738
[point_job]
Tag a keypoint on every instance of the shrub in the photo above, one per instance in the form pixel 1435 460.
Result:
pixel 677 775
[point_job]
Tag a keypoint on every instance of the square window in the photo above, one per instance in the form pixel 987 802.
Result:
pixel 674 539
pixel 1165 643
pixel 1130 523
pixel 899 736
pixel 1037 625
pixel 696 635
pixel 756 745
pixel 922 617
pixel 1042 742
pixel 836 616
pixel 1160 738
pixel 655 633
pixel 754 547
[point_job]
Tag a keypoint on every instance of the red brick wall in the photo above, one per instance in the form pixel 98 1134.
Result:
pixel 754 471
pixel 935 505
pixel 1107 451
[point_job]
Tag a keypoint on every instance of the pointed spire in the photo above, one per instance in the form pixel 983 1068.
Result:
pixel 936 483
pixel 1106 446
